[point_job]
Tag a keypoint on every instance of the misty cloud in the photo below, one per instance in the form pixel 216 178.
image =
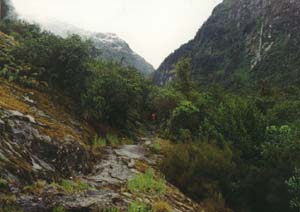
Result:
pixel 153 28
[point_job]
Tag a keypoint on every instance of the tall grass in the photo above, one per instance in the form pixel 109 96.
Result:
pixel 138 207
pixel 147 183
pixel 99 142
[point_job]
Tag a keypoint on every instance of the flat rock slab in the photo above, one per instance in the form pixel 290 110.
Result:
pixel 115 174
pixel 131 152
pixel 112 170
pixel 73 202
pixel 100 198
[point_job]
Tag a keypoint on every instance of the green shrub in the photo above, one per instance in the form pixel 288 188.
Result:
pixel 62 63
pixel 99 142
pixel 59 209
pixel 138 207
pixel 164 100
pixel 236 121
pixel 37 187
pixel 7 200
pixel 155 147
pixel 147 183
pixel 3 183
pixel 161 206
pixel 20 29
pixel 185 116
pixel 281 146
pixel 74 186
pixel 279 158
pixel 285 112
pixel 293 184
pixel 11 208
pixel 113 139
pixel 185 135
pixel 8 203
pixel 207 169
pixel 67 185
pixel 114 95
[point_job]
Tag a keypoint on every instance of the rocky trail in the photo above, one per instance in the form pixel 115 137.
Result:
pixel 47 160
pixel 108 181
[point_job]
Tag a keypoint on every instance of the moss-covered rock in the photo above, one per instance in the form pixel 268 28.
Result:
pixel 38 140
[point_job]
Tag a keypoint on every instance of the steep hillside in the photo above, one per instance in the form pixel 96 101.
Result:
pixel 47 161
pixel 109 46
pixel 51 159
pixel 242 43
pixel 38 138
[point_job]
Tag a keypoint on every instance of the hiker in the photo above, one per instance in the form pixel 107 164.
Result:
pixel 153 117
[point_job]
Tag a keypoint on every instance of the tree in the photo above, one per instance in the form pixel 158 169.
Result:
pixel 62 63
pixel 184 117
pixel 293 184
pixel 164 101
pixel 114 95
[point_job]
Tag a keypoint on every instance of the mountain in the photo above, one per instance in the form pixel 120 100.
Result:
pixel 114 48
pixel 110 47
pixel 244 42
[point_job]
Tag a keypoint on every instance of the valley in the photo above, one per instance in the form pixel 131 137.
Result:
pixel 88 125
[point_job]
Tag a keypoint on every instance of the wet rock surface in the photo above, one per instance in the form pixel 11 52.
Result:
pixel 108 186
pixel 27 149
pixel 32 138
pixel 112 170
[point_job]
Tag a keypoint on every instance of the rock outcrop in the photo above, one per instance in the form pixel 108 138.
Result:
pixel 107 186
pixel 243 42
pixel 36 143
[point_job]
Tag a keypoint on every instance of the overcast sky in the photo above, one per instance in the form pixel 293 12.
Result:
pixel 153 28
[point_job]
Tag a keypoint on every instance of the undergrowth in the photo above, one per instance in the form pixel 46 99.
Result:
pixel 147 183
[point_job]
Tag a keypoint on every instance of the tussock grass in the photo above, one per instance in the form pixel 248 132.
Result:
pixel 74 186
pixel 99 142
pixel 161 206
pixel 147 183
pixel 59 209
pixel 138 207
pixel 156 147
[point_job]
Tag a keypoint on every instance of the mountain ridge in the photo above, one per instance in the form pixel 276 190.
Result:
pixel 109 46
pixel 241 43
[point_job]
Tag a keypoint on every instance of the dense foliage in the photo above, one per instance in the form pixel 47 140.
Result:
pixel 114 95
pixel 104 92
pixel 239 148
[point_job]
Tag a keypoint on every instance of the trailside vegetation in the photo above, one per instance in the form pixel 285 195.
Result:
pixel 231 148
